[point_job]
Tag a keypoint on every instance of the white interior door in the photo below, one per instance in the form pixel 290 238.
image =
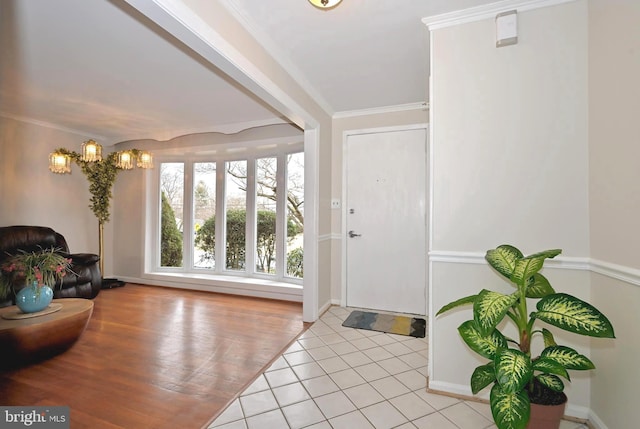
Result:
pixel 385 215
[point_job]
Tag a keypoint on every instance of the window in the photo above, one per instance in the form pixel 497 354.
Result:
pixel 238 217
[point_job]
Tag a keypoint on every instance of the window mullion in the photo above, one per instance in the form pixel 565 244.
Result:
pixel 187 217
pixel 250 242
pixel 221 183
pixel 281 216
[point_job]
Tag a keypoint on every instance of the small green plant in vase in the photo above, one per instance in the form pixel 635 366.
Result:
pixel 520 378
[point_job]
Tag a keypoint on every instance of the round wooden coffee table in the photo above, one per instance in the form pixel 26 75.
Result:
pixel 29 338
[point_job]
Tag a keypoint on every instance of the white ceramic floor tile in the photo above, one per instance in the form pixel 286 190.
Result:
pixel 258 385
pixel 437 401
pixel 343 348
pixel 271 420
pixel 358 379
pixel 290 394
pixel 320 386
pixel 239 424
pixel 280 377
pixel 278 364
pixel 354 420
pixel 352 334
pixel 484 409
pixel 335 404
pixel 412 379
pixel 371 372
pixel 356 359
pixel 308 370
pixel 465 417
pixel 298 358
pixel 363 344
pixel 333 364
pixel 322 425
pixel 411 406
pixel 347 378
pixel 383 415
pixel 309 343
pixel 377 354
pixel 332 339
pixel 414 359
pixel 321 353
pixel 435 420
pixel 363 395
pixel 295 347
pixel 382 339
pixel 399 349
pixel 302 414
pixel 258 403
pixel 231 414
pixel 394 365
pixel 389 387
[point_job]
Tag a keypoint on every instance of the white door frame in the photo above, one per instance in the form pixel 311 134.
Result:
pixel 345 137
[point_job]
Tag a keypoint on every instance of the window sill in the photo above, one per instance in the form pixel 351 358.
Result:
pixel 261 288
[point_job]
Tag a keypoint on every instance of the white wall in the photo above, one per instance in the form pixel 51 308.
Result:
pixel 510 165
pixel 32 195
pixel 614 103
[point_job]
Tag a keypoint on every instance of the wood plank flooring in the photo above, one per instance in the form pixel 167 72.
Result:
pixel 155 357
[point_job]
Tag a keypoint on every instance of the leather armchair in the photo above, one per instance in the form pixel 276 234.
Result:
pixel 85 280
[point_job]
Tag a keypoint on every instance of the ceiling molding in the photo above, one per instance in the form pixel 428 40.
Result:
pixel 488 11
pixel 423 105
pixel 52 126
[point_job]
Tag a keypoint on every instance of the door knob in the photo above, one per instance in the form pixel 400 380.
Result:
pixel 353 234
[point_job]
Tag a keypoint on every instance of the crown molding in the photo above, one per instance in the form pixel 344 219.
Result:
pixel 488 11
pixel 51 125
pixel 423 105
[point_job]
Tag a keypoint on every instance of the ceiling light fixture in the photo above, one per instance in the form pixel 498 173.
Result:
pixel 325 4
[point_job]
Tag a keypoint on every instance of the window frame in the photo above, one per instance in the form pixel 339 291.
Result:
pixel 221 158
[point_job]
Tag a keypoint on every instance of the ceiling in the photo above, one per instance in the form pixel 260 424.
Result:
pixel 103 70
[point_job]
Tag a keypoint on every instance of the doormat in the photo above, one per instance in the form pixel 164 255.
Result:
pixel 401 325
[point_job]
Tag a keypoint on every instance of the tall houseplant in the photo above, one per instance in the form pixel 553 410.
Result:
pixel 518 377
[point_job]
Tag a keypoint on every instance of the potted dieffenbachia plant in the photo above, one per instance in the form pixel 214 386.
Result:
pixel 518 377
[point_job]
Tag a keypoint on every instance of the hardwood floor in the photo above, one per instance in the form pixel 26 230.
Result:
pixel 156 357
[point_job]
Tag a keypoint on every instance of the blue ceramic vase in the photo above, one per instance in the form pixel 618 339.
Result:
pixel 34 298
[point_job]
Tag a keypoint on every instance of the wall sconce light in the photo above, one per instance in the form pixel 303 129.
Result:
pixel 145 159
pixel 325 4
pixel 59 163
pixel 124 160
pixel 101 174
pixel 91 151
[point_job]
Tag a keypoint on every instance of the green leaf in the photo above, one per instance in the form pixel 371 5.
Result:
pixel 513 370
pixel 482 377
pixel 567 357
pixel 490 308
pixel 538 286
pixel 529 265
pixel 510 410
pixel 548 338
pixel 550 366
pixel 462 301
pixel 483 345
pixel 553 382
pixel 574 315
pixel 503 259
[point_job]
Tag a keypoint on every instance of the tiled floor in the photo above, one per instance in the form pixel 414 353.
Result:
pixel 345 378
